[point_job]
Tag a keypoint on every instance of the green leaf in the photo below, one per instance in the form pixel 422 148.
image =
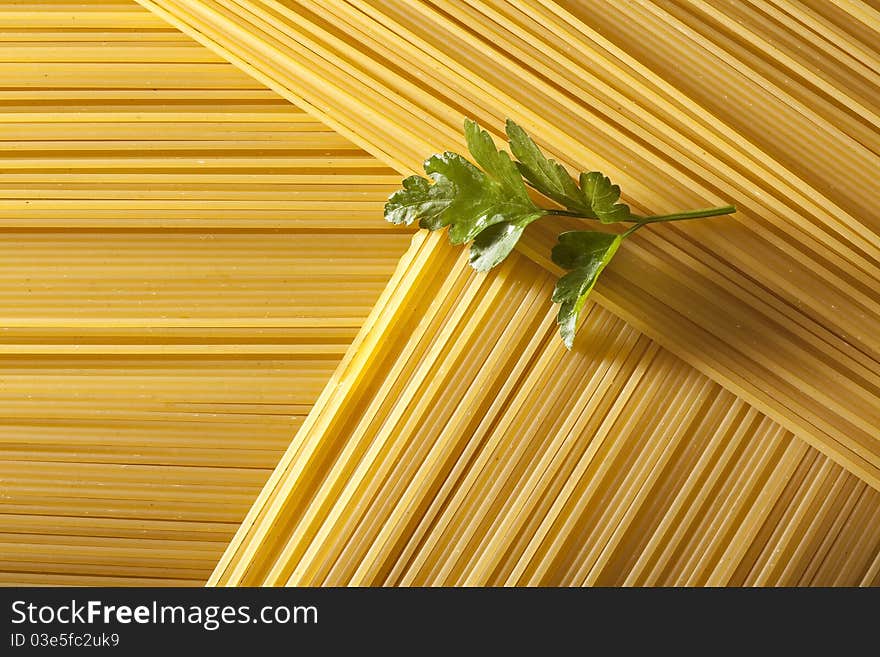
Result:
pixel 547 176
pixel 602 197
pixel 417 200
pixel 467 191
pixel 468 200
pixel 494 244
pixel 586 253
pixel 497 164
pixel 596 197
pixel 490 205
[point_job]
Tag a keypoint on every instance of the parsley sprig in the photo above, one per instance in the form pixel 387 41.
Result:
pixel 490 206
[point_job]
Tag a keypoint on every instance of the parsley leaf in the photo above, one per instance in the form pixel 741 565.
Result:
pixel 585 253
pixel 603 197
pixel 491 207
pixel 468 200
pixel 596 198
pixel 417 200
pixel 494 244
pixel 547 176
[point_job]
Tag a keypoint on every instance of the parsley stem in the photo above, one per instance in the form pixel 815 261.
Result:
pixel 692 214
pixel 566 213
pixel 629 231
pixel 659 218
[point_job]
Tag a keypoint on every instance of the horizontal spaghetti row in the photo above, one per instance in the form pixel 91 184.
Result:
pixel 186 258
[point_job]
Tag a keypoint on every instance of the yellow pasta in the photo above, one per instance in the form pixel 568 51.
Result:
pixel 685 105
pixel 616 464
pixel 196 277
pixel 184 264
pixel 721 127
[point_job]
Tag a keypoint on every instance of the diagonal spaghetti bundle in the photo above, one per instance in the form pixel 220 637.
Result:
pixel 486 454
pixel 441 452
pixel 684 107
